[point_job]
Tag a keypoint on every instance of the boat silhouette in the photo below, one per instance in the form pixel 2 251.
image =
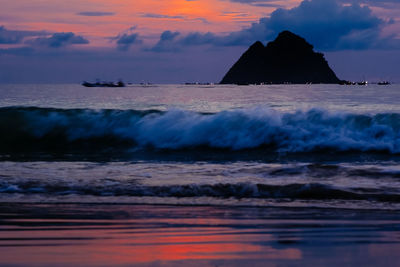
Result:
pixel 384 83
pixel 103 84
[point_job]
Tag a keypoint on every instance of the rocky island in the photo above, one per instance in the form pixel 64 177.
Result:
pixel 287 59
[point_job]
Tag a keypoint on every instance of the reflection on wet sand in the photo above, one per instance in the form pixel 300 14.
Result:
pixel 119 235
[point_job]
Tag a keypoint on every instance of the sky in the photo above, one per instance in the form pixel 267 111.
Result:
pixel 175 41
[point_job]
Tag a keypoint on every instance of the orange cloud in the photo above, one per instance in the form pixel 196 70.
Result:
pixel 118 15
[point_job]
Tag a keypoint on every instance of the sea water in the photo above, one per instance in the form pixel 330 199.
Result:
pixel 273 145
pixel 199 175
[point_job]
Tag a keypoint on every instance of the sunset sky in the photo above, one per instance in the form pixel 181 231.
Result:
pixel 174 41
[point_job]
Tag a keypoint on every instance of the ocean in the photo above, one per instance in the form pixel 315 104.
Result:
pixel 217 175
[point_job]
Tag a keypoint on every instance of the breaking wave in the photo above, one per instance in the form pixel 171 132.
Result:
pixel 46 129
pixel 310 191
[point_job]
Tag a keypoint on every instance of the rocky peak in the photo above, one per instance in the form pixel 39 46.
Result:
pixel 287 59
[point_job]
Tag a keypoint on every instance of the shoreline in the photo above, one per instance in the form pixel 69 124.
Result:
pixel 167 235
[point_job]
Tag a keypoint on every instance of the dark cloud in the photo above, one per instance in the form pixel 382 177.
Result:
pixel 167 43
pixel 327 24
pixel 196 38
pixel 262 3
pixel 168 36
pixel 204 20
pixel 16 37
pixel 176 17
pixel 235 14
pixel 324 23
pixel 161 16
pixel 175 41
pixel 95 14
pixel 126 40
pixel 59 40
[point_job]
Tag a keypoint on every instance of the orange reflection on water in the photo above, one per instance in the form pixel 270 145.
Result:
pixel 133 241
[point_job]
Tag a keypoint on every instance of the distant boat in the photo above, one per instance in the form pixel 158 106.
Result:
pixel 146 84
pixel 344 82
pixel 384 83
pixel 198 83
pixel 104 84
pixel 362 83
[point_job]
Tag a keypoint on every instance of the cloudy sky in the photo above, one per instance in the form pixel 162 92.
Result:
pixel 174 41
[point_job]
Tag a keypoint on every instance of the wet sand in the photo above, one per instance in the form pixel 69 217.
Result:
pixel 157 235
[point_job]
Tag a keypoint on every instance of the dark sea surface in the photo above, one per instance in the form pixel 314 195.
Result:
pixel 199 174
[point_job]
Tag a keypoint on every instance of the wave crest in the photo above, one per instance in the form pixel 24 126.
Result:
pixel 301 131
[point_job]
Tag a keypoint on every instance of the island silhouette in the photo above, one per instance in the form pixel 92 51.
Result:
pixel 287 59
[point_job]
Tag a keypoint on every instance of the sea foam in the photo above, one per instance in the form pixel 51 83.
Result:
pixel 301 131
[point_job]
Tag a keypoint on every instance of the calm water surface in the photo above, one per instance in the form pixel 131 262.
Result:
pixel 214 98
